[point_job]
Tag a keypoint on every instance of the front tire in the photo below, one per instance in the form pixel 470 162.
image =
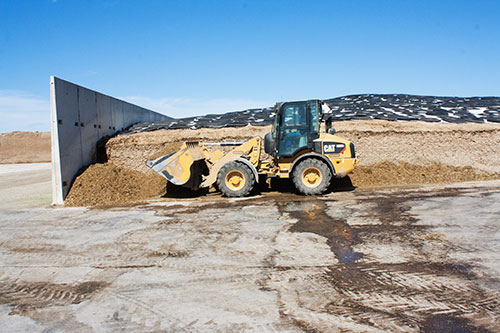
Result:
pixel 235 179
pixel 312 177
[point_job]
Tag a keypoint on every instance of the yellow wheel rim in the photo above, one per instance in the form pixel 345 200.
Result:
pixel 235 180
pixel 312 177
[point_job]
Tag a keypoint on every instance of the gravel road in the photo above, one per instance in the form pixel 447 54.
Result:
pixel 423 258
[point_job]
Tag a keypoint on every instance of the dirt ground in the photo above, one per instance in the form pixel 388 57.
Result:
pixel 391 153
pixel 411 259
pixel 25 147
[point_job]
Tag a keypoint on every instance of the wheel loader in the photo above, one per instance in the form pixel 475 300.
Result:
pixel 294 149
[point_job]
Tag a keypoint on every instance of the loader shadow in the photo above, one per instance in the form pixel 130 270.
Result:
pixel 281 185
pixel 341 185
pixel 284 185
pixel 173 191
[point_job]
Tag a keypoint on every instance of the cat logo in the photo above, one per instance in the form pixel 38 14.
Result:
pixel 333 148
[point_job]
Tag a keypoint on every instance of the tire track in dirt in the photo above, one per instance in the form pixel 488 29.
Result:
pixel 24 296
pixel 136 314
pixel 204 238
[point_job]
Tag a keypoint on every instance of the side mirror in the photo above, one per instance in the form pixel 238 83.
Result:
pixel 328 124
pixel 332 131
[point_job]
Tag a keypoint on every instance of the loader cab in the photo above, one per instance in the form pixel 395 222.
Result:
pixel 295 127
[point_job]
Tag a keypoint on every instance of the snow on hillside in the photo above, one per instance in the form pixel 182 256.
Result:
pixel 369 106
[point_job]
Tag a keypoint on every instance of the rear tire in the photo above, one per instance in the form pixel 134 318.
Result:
pixel 312 177
pixel 235 179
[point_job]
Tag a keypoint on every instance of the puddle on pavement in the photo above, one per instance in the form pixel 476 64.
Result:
pixel 460 268
pixel 446 324
pixel 311 217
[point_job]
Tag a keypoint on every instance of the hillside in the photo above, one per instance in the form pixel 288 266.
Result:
pixel 25 147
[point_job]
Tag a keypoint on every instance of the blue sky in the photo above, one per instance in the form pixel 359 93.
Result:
pixel 184 58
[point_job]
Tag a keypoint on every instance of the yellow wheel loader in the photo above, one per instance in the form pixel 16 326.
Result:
pixel 295 149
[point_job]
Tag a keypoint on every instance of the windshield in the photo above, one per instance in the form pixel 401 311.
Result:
pixel 294 114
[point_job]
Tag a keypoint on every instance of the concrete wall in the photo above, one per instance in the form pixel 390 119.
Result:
pixel 79 118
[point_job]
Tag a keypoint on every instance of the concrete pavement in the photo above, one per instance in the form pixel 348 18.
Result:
pixel 409 259
pixel 25 185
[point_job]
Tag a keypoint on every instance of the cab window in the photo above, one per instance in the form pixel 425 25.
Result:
pixel 294 115
pixel 293 129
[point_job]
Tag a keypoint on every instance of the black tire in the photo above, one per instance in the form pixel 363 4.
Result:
pixel 235 179
pixel 312 177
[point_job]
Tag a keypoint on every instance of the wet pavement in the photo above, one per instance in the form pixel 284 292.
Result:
pixel 410 259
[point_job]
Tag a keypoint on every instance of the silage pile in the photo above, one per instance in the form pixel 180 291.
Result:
pixel 391 153
pixel 133 150
pixel 403 173
pixel 126 179
pixel 106 184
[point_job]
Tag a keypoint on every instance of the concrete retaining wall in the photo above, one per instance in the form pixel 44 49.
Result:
pixel 79 118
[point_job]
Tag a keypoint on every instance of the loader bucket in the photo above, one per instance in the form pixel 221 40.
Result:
pixel 183 167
